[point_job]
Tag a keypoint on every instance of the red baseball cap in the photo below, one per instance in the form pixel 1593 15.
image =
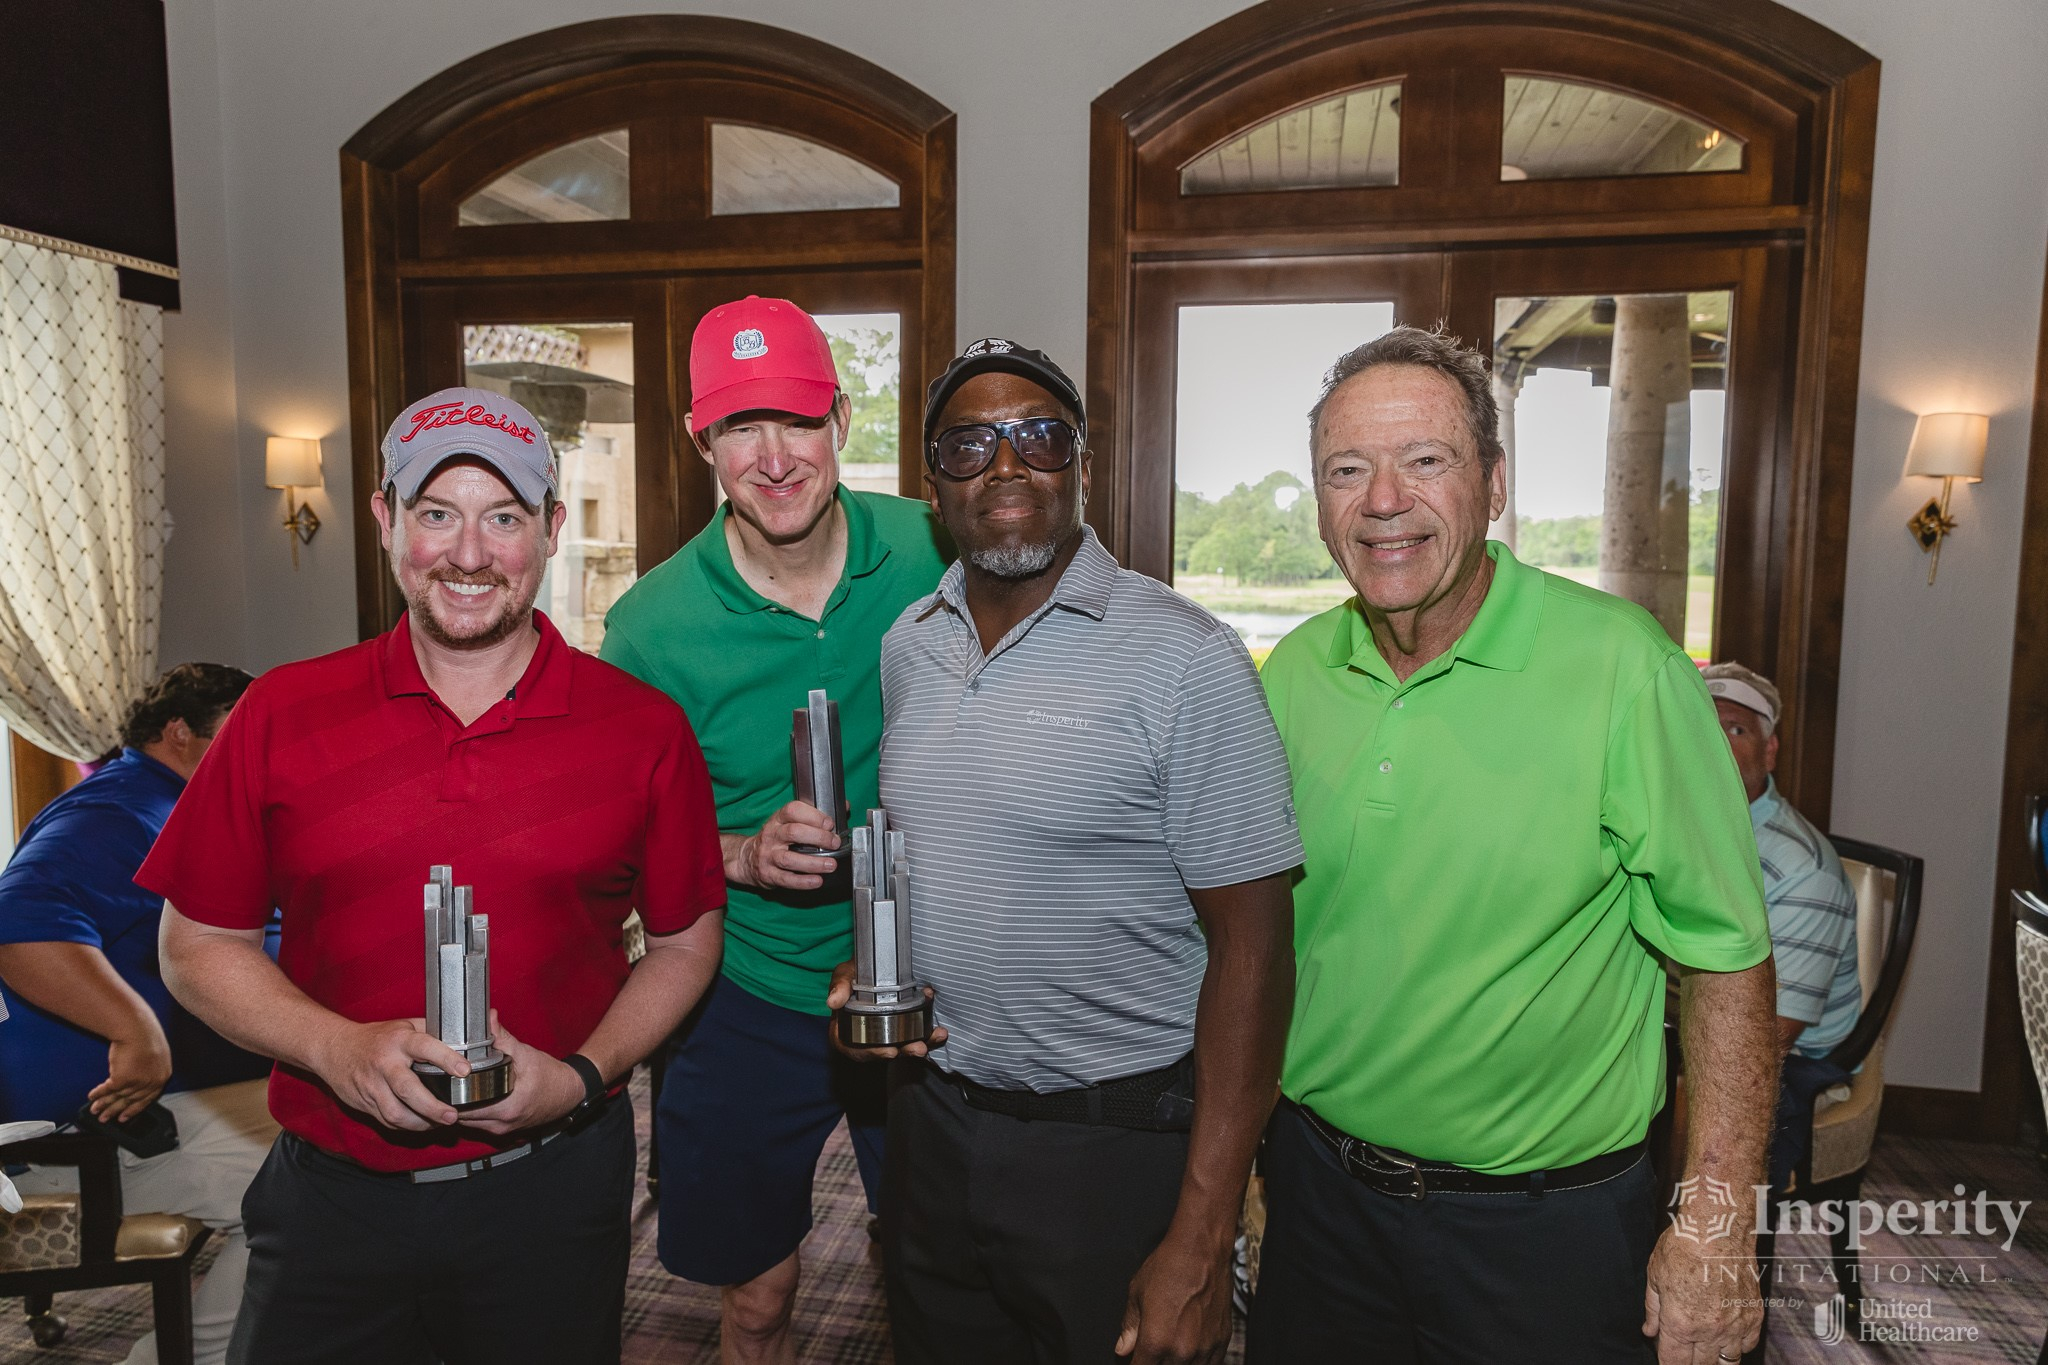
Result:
pixel 759 353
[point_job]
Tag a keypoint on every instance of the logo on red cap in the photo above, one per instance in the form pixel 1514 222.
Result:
pixel 454 414
pixel 749 344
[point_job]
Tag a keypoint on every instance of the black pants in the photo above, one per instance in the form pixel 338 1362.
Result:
pixel 523 1263
pixel 1800 1081
pixel 1010 1240
pixel 1349 1274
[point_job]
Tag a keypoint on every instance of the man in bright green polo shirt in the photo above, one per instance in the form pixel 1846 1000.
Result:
pixel 1515 800
pixel 790 588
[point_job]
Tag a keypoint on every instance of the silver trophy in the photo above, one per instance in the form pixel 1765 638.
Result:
pixel 818 770
pixel 459 995
pixel 888 1005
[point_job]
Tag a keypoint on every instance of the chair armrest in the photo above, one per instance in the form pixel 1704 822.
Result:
pixel 98 1162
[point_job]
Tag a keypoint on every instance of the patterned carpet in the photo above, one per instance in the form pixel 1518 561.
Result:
pixel 1944 1282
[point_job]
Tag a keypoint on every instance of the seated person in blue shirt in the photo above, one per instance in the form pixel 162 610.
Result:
pixel 92 1024
pixel 1812 909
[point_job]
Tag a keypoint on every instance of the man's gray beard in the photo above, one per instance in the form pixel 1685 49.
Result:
pixel 1015 561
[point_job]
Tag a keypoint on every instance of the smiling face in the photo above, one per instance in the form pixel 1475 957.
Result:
pixel 779 470
pixel 1402 501
pixel 1010 520
pixel 468 555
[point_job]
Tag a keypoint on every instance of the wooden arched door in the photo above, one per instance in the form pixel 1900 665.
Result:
pixel 551 218
pixel 1572 185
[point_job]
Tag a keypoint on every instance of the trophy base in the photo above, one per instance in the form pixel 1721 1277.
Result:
pixel 810 852
pixel 886 1030
pixel 489 1080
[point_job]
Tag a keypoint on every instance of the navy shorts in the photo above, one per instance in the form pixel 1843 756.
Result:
pixel 752 1094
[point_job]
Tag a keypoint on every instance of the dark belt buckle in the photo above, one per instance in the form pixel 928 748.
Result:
pixel 1408 1166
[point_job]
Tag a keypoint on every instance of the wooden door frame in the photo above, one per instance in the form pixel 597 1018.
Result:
pixel 2008 1097
pixel 381 168
pixel 39 777
pixel 1749 623
pixel 1828 83
pixel 665 495
pixel 1131 502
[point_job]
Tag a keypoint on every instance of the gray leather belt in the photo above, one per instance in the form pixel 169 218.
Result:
pixel 462 1170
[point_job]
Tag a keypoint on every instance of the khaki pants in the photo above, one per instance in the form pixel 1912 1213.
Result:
pixel 223 1135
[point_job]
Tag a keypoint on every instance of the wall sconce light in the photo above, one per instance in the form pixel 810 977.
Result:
pixel 1946 446
pixel 292 463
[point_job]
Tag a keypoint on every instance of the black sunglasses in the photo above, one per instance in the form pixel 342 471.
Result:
pixel 1047 444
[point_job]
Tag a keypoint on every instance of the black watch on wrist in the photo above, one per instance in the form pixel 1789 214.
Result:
pixel 593 1085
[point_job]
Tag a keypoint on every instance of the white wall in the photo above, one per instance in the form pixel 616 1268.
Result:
pixel 264 92
pixel 1958 236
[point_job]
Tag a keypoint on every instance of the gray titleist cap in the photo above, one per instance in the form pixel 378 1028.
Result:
pixel 475 423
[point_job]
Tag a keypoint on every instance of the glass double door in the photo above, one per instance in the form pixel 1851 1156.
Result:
pixel 1639 390
pixel 604 367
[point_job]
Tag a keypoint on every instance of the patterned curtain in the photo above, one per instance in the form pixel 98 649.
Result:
pixel 82 521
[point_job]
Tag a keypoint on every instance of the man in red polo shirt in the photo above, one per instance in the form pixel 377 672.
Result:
pixel 384 1226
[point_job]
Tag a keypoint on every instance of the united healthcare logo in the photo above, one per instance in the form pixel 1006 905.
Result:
pixel 749 345
pixel 1831 1320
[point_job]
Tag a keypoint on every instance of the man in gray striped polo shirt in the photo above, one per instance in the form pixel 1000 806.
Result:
pixel 1100 834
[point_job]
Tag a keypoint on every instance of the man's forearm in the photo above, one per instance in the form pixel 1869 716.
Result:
pixel 230 983
pixel 664 987
pixel 1728 1031
pixel 75 982
pixel 1240 1032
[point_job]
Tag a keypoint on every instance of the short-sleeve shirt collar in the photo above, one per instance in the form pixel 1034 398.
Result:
pixel 865 552
pixel 1501 636
pixel 542 690
pixel 151 768
pixel 1085 586
pixel 1766 804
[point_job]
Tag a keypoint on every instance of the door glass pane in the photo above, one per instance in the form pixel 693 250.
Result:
pixel 867 349
pixel 1613 412
pixel 577 379
pixel 584 182
pixel 1244 518
pixel 754 170
pixel 1349 139
pixel 1562 130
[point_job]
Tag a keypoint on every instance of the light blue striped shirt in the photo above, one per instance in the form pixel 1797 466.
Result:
pixel 1813 923
pixel 1058 796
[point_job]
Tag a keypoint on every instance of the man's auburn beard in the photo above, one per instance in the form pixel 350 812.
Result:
pixel 501 627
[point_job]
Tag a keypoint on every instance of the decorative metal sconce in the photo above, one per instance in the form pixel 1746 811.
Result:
pixel 292 463
pixel 1946 446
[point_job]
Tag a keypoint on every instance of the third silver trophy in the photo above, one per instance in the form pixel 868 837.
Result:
pixel 888 1005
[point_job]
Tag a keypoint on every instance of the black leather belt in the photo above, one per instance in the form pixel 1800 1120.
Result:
pixel 1397 1173
pixel 1161 1101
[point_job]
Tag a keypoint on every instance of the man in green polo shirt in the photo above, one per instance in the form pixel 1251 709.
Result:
pixel 1515 800
pixel 790 588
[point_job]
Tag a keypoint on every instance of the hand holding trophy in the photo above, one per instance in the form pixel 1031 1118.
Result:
pixel 459 995
pixel 888 1006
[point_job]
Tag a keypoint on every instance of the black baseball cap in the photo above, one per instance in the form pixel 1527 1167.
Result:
pixel 1002 357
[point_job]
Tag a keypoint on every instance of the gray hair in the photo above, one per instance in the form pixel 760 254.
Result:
pixel 1428 350
pixel 1744 674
